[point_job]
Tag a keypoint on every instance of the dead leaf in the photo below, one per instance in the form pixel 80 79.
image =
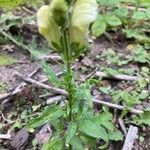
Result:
pixel 8 47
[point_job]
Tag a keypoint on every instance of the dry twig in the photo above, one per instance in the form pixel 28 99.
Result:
pixel 116 77
pixel 5 136
pixel 64 93
pixel 122 126
pixel 115 106
pixel 42 85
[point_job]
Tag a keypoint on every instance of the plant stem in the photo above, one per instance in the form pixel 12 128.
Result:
pixel 69 77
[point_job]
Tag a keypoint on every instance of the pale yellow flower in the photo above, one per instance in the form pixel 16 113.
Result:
pixel 84 13
pixel 47 26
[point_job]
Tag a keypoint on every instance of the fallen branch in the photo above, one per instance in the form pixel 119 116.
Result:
pixel 18 89
pixel 53 99
pixel 131 137
pixel 116 77
pixel 5 136
pixel 42 85
pixel 122 126
pixel 51 58
pixel 64 93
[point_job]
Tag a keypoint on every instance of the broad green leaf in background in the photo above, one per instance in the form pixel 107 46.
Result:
pixel 49 114
pixel 99 26
pixel 121 12
pixel 71 131
pixel 112 20
pixel 139 15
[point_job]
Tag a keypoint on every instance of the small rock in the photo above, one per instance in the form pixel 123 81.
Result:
pixel 20 140
pixel 44 134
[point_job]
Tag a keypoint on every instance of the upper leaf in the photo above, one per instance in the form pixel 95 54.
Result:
pixel 99 26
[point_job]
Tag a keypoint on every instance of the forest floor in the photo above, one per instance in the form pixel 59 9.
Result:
pixel 111 54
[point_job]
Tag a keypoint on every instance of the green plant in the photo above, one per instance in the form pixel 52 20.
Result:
pixel 76 125
pixel 128 99
pixel 115 14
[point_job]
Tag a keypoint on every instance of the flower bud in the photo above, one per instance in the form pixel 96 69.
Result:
pixel 84 13
pixel 47 26
pixel 59 9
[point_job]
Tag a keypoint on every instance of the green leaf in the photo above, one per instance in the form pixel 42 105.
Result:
pixel 49 114
pixel 139 15
pixel 115 135
pixel 76 143
pixel 51 74
pixel 137 34
pixel 99 26
pixel 56 144
pixel 105 120
pixel 112 20
pixel 121 12
pixel 93 129
pixel 71 131
pixel 83 99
